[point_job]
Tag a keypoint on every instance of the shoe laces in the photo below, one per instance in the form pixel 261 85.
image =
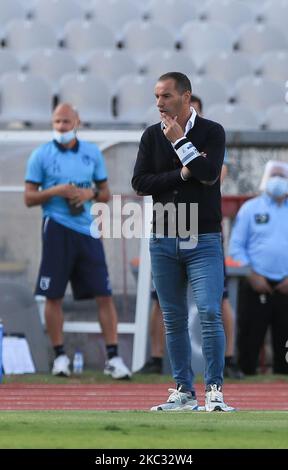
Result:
pixel 216 394
pixel 175 395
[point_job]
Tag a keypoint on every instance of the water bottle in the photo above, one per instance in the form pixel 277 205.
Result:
pixel 78 363
pixel 1 341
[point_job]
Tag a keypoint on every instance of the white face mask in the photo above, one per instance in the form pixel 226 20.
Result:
pixel 277 187
pixel 64 137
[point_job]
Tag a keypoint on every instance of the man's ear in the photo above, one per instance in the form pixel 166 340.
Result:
pixel 187 96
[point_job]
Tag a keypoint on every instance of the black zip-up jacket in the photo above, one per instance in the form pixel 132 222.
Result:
pixel 157 172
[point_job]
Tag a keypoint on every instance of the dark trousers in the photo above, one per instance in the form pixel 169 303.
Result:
pixel 254 318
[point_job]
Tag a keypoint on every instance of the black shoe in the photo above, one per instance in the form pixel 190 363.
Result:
pixel 232 371
pixel 150 367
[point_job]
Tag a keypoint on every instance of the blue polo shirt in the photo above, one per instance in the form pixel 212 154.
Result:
pixel 52 164
pixel 259 237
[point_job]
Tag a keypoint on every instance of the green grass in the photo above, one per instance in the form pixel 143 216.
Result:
pixel 144 430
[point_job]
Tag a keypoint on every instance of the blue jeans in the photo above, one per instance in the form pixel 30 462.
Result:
pixel 173 267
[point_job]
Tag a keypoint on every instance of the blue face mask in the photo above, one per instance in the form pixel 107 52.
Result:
pixel 277 187
pixel 64 137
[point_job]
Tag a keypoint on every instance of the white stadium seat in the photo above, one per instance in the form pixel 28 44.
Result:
pixel 276 118
pixel 201 39
pixel 171 13
pixel 82 37
pixel 111 64
pixel 89 94
pixel 157 62
pixel 258 38
pixel 258 93
pixel 25 98
pixel 141 36
pixel 51 63
pixel 134 95
pixel 57 12
pixel 234 117
pixel 22 36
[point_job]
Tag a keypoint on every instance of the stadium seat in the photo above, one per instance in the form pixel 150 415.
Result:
pixel 57 12
pixel 89 94
pixel 111 64
pixel 258 38
pixel 276 118
pixel 230 12
pixel 134 95
pixel 275 13
pixel 25 98
pixel 258 93
pixel 10 10
pixel 141 36
pixel 200 39
pixel 233 117
pixel 228 66
pixel 52 64
pixel 210 91
pixel 22 36
pixel 115 13
pixel 84 36
pixel 157 62
pixel 274 65
pixel 8 62
pixel 171 13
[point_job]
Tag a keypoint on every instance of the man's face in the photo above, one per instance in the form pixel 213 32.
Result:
pixel 168 98
pixel 64 120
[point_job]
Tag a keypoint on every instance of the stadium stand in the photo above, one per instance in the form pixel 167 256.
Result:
pixel 228 67
pixel 89 94
pixel 237 40
pixel 25 98
pixel 235 117
pixel 51 64
pixel 57 12
pixel 258 92
pixel 258 38
pixel 133 97
pixel 141 36
pixel 172 13
pixel 273 65
pixel 276 118
pixel 154 62
pixel 22 36
pixel 8 62
pixel 82 37
pixel 109 64
pixel 115 13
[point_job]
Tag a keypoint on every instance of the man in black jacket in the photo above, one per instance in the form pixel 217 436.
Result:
pixel 179 162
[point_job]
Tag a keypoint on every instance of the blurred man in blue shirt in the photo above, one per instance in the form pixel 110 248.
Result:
pixel 259 239
pixel 65 176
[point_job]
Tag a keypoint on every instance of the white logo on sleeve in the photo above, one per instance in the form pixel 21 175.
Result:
pixel 45 283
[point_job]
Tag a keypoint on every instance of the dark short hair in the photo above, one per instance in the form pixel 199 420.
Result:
pixel 182 82
pixel 196 99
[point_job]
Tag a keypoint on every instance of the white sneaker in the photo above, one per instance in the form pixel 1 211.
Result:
pixel 214 399
pixel 61 366
pixel 178 401
pixel 116 368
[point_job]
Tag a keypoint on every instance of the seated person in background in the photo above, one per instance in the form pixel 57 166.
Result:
pixel 71 174
pixel 259 239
